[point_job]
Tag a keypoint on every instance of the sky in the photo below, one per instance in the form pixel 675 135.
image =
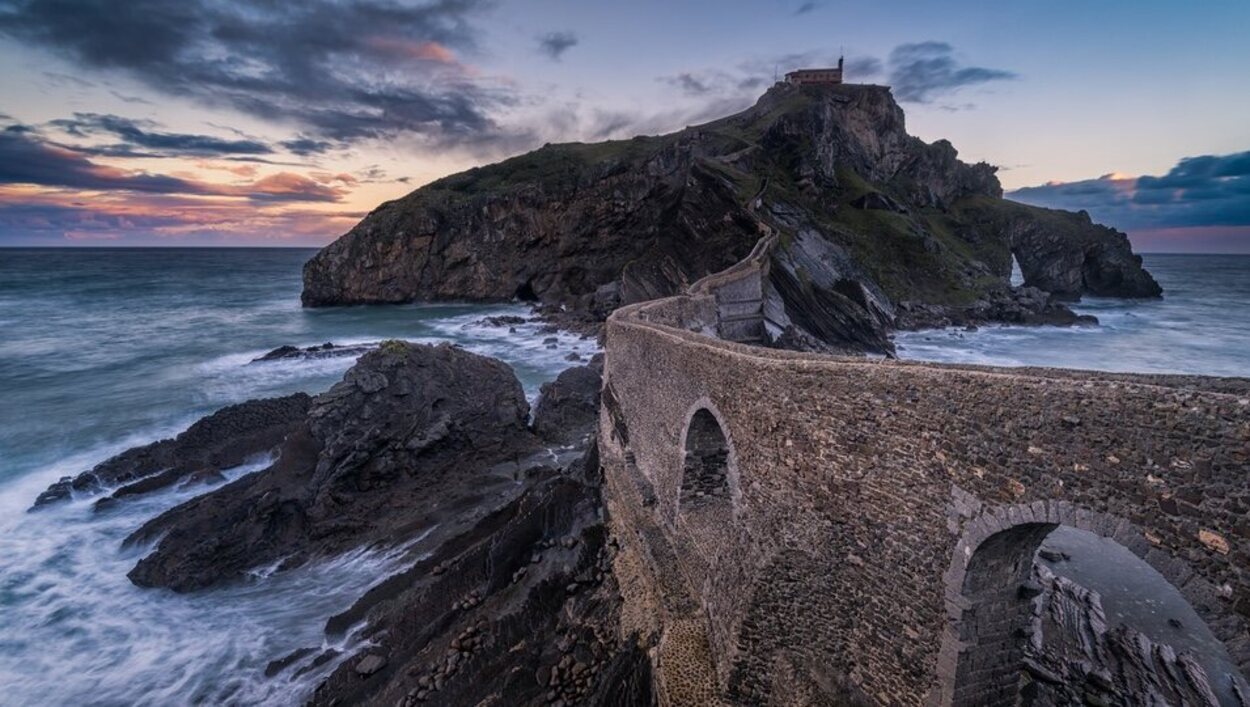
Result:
pixel 233 122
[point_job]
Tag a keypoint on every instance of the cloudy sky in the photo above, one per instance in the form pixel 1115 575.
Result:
pixel 261 122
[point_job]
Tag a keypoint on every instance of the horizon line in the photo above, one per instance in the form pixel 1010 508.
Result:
pixel 316 247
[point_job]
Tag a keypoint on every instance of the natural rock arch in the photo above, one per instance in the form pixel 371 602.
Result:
pixel 989 595
pixel 708 491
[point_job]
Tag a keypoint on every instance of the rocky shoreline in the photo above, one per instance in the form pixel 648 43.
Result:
pixel 227 438
pixel 1017 306
pixel 428 450
pixel 512 594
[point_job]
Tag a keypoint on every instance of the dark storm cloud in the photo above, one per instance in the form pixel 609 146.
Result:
pixel 1209 190
pixel 164 219
pixel 345 69
pixel 924 71
pixel 374 174
pixel 141 134
pixel 54 220
pixel 305 146
pixel 25 159
pixel 555 44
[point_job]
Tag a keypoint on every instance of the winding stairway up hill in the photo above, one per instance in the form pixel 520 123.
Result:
pixel 874 228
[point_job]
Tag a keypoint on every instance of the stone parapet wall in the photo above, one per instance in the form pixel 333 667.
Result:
pixel 865 487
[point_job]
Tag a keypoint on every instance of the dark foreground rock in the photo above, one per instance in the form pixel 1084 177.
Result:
pixel 1076 657
pixel 408 430
pixel 224 439
pixel 568 407
pixel 519 608
pixel 512 599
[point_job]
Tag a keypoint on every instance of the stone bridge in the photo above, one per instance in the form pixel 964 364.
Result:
pixel 806 529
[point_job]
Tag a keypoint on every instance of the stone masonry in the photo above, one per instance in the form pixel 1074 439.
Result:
pixel 866 527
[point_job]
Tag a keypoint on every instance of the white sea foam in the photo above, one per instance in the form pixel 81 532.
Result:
pixel 1200 326
pixel 78 632
pixel 74 630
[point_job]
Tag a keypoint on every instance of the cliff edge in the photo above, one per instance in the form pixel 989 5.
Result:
pixel 868 219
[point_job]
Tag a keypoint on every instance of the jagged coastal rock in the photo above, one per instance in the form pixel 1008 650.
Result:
pixel 867 218
pixel 1074 656
pixel 326 350
pixel 224 439
pixel 568 407
pixel 512 597
pixel 421 423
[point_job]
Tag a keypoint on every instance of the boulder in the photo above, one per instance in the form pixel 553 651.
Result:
pixel 568 407
pixel 370 664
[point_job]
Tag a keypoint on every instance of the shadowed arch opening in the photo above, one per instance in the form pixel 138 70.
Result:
pixel 705 469
pixel 708 492
pixel 998 597
pixel 1054 614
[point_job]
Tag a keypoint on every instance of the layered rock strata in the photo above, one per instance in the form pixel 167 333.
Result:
pixel 866 216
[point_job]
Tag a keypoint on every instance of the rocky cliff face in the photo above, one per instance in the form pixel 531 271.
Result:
pixel 592 226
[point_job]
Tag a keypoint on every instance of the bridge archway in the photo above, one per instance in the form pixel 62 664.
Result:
pixel 708 491
pixel 992 587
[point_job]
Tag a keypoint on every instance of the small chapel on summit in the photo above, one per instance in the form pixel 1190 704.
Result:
pixel 820 77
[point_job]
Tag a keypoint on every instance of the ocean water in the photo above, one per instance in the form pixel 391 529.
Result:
pixel 1201 326
pixel 101 350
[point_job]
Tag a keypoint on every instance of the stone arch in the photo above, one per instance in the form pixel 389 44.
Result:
pixel 708 490
pixel 989 595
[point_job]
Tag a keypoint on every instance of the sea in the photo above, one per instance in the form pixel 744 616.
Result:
pixel 105 349
pixel 1201 325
